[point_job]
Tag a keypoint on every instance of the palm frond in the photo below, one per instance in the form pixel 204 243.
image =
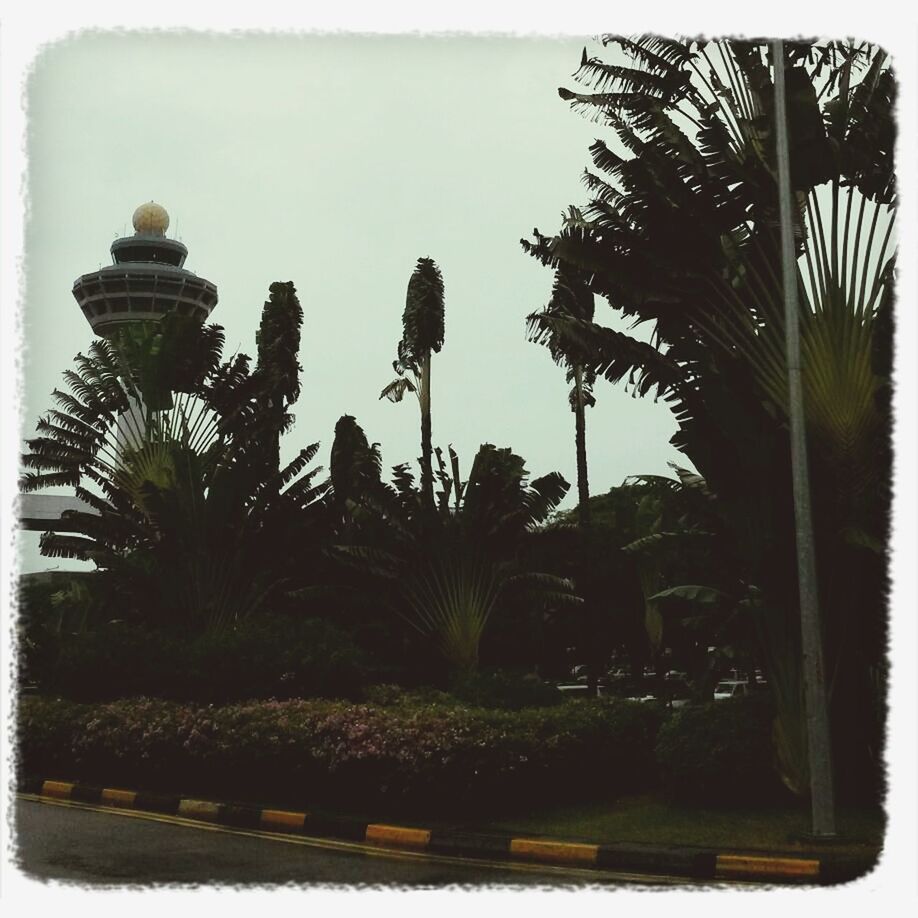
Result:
pixel 692 593
pixel 396 389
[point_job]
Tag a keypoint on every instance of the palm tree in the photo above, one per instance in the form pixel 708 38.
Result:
pixel 355 465
pixel 188 513
pixel 449 571
pixel 277 369
pixel 571 298
pixel 422 336
pixel 682 231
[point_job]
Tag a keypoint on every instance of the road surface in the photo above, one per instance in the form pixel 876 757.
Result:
pixel 85 845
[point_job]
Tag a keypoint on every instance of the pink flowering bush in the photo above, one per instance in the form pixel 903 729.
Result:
pixel 411 753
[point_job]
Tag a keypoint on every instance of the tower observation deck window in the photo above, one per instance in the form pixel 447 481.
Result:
pixel 146 279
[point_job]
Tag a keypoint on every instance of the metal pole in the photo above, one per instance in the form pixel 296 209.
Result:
pixel 817 720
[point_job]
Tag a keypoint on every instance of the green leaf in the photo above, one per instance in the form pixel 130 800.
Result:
pixel 691 593
pixel 396 389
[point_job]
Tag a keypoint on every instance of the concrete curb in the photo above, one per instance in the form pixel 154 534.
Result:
pixel 688 862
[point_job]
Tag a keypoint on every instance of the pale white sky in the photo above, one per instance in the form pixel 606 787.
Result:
pixel 244 200
pixel 334 162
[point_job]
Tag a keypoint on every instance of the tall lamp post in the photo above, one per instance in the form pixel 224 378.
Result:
pixel 817 720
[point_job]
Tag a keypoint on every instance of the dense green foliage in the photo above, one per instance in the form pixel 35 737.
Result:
pixel 720 753
pixel 446 568
pixel 499 688
pixel 443 758
pixel 682 232
pixel 263 658
pixel 176 454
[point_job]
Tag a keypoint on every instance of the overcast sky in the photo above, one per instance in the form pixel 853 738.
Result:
pixel 344 195
pixel 334 162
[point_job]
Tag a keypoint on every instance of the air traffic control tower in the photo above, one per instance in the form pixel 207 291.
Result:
pixel 147 279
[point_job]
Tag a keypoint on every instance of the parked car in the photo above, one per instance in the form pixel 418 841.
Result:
pixel 678 691
pixel 731 688
pixel 579 672
pixel 580 688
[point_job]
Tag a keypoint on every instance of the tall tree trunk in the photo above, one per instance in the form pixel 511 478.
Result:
pixel 583 484
pixel 426 447
pixel 594 661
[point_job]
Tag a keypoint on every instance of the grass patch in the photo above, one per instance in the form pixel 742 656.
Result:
pixel 650 820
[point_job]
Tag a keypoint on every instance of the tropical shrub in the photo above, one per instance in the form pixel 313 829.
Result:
pixel 53 604
pixel 719 753
pixel 45 734
pixel 175 452
pixel 439 758
pixel 113 661
pixel 509 691
pixel 445 568
pixel 264 658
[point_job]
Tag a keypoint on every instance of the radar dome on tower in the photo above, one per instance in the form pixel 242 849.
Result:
pixel 146 280
pixel 150 219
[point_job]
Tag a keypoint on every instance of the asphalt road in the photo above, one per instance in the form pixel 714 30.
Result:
pixel 89 847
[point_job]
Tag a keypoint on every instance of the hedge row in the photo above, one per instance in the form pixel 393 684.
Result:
pixel 433 757
pixel 265 658
pixel 720 753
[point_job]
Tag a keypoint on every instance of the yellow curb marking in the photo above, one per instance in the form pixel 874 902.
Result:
pixel 199 809
pixel 282 819
pixel 114 797
pixel 385 835
pixel 588 875
pixel 60 789
pixel 730 864
pixel 380 834
pixel 559 852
